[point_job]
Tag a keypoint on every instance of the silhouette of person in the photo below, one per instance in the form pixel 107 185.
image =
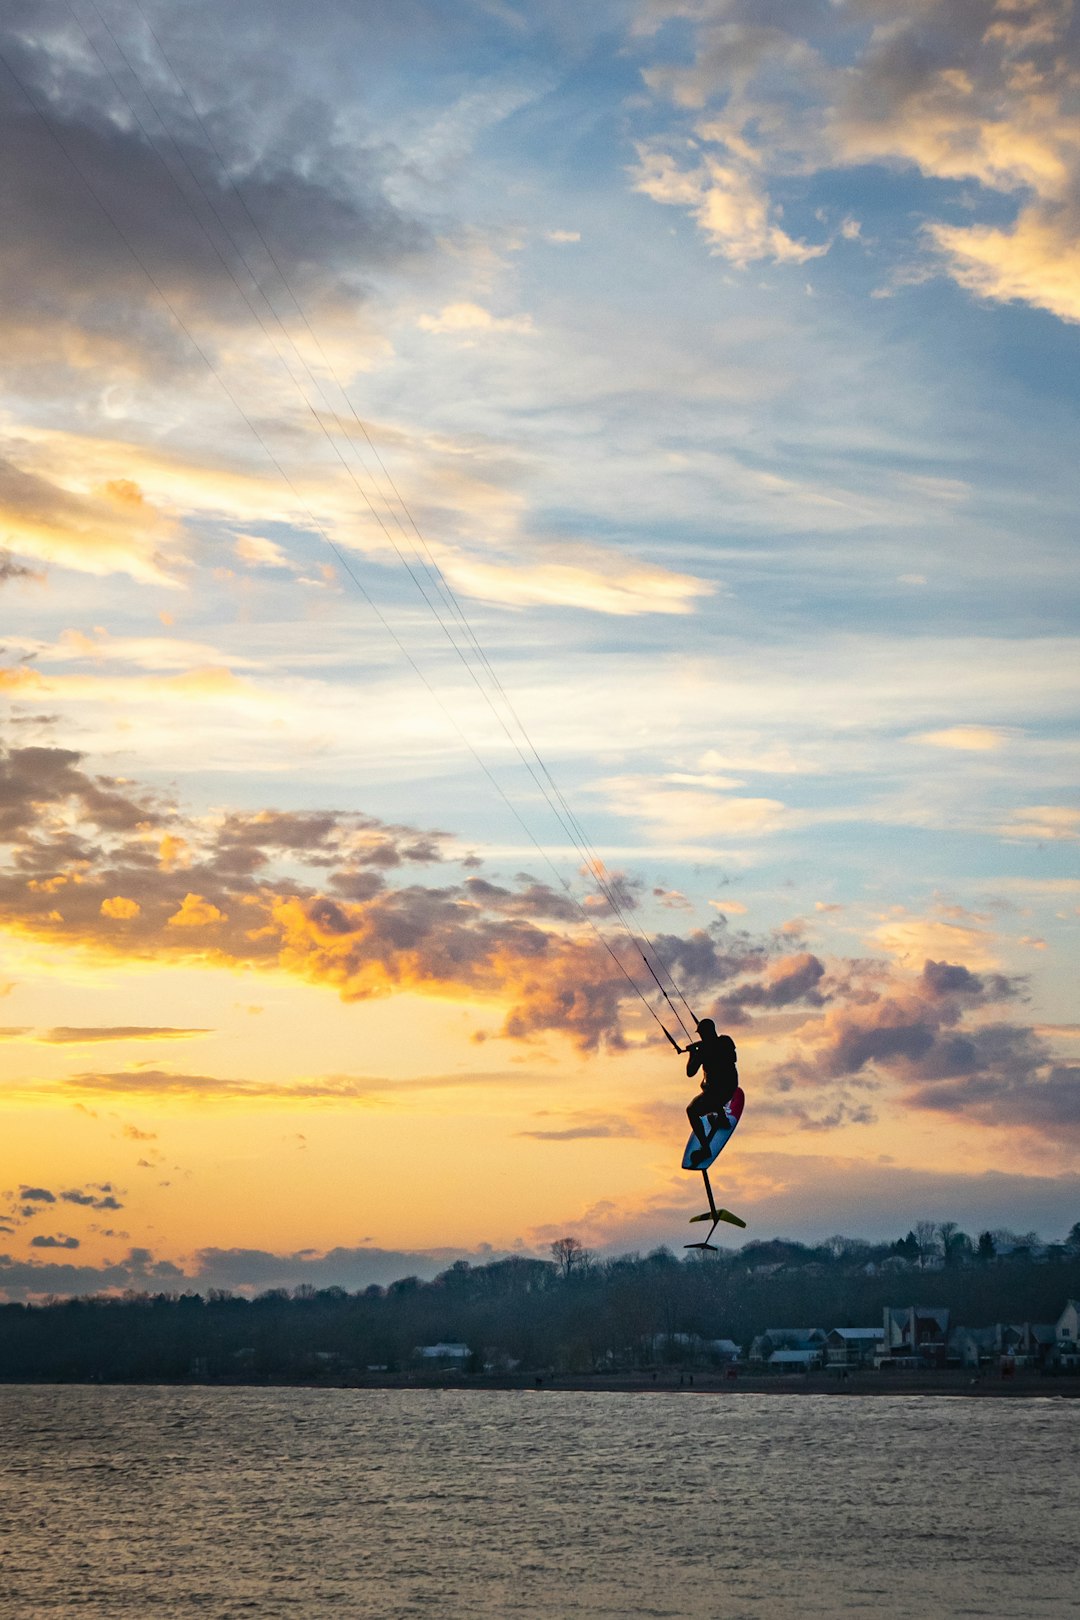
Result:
pixel 716 1056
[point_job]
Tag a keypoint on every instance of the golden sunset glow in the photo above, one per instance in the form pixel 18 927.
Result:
pixel 486 501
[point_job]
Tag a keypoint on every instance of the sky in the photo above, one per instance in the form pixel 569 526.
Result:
pixel 485 484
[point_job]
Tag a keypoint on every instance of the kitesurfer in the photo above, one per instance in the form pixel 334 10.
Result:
pixel 716 1056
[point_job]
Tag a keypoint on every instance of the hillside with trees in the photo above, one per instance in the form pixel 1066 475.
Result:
pixel 573 1313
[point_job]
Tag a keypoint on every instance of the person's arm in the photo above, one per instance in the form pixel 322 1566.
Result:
pixel 693 1062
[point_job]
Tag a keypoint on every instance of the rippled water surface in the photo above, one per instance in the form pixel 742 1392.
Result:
pixel 162 1503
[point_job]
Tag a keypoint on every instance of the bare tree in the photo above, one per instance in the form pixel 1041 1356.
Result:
pixel 926 1236
pixel 569 1255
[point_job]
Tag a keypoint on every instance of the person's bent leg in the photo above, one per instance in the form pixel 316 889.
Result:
pixel 693 1113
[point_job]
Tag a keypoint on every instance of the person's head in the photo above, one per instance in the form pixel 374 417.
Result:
pixel 707 1030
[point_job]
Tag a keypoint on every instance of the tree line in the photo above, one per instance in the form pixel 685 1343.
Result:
pixel 574 1313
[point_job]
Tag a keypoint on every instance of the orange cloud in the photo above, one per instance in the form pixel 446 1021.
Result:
pixel 108 529
pixel 119 908
pixel 523 948
pixel 195 912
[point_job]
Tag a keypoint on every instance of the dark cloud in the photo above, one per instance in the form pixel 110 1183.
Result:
pixel 705 959
pixel 92 1198
pixel 23 1279
pixel 930 1035
pixel 952 979
pixel 34 780
pixel 140 880
pixel 537 900
pixel 329 1088
pixel 76 1035
pixel 11 569
pixel 115 892
pixel 134 1134
pixel 1017 1087
pixel 42 1242
pixel 582 1133
pixel 105 170
pixel 836 1111
pixel 790 979
pixel 37 1195
pixel 245 1270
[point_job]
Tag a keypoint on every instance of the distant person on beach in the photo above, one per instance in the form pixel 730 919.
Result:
pixel 716 1056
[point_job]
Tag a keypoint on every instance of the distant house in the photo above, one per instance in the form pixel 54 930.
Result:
pixel 681 1346
pixel 853 1346
pixel 914 1334
pixel 723 1349
pixel 796 1338
pixel 1026 1344
pixel 971 1347
pixel 1068 1336
pixel 797 1360
pixel 443 1352
pixel 787 1338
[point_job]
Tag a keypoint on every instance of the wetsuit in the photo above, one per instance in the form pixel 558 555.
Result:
pixel 717 1088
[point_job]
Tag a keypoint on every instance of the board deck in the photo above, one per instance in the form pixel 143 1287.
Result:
pixel 719 1130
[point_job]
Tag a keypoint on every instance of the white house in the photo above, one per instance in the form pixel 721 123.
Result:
pixel 853 1346
pixel 797 1360
pixel 1068 1335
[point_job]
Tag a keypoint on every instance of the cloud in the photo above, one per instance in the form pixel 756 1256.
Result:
pixel 79 225
pixel 934 1038
pixel 584 1131
pixel 260 552
pixel 466 320
pixel 979 96
pixel 37 1195
pixel 119 907
pixel 195 912
pixel 69 1035
pixel 1048 823
pixel 249 1271
pixel 578 576
pixel 112 528
pixel 812 1195
pixel 99 1197
pixel 10 569
pixel 729 203
pixel 689 815
pixel 234 900
pixel 786 981
pixel 966 739
pixel 42 1242
pixel 1036 262
pixel 912 939
pixel 343 1089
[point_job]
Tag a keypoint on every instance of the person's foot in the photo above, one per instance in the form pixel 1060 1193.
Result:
pixel 697 1156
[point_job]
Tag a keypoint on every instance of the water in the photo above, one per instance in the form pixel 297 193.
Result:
pixel 156 1504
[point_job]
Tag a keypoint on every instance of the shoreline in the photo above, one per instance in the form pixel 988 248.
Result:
pixel 946 1383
